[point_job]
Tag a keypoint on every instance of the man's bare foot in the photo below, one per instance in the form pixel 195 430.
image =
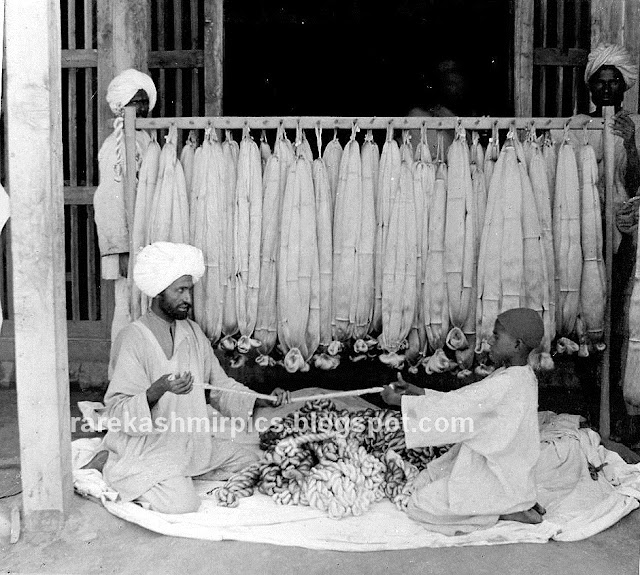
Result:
pixel 532 516
pixel 98 461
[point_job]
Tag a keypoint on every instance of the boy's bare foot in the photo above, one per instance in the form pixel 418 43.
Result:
pixel 532 516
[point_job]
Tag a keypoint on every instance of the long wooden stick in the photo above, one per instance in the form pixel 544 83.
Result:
pixel 609 167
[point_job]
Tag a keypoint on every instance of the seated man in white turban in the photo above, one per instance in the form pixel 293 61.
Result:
pixel 131 87
pixel 159 364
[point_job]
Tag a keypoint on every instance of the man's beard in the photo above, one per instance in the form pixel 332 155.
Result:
pixel 174 312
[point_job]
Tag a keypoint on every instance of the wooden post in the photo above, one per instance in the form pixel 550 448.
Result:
pixel 213 56
pixel 609 166
pixel 130 173
pixel 37 230
pixel 523 57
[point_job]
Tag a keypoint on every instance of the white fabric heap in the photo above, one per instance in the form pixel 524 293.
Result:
pixel 612 55
pixel 124 87
pixel 161 263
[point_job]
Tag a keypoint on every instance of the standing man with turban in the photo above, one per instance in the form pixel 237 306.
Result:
pixel 610 72
pixel 159 364
pixel 489 473
pixel 129 87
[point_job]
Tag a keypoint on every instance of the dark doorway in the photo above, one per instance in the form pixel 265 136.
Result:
pixel 362 57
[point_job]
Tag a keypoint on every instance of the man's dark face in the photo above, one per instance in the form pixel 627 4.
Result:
pixel 175 301
pixel 141 101
pixel 607 86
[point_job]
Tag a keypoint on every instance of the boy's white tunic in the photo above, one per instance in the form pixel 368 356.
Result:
pixel 490 470
pixel 140 458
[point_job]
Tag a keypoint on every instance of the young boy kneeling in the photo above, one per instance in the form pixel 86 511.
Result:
pixel 489 473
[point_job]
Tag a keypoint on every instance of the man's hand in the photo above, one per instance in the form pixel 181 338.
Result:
pixel 627 217
pixel 392 394
pixel 178 384
pixel 282 397
pixel 624 127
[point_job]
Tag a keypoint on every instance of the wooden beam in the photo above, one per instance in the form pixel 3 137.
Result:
pixel 523 56
pixel 88 58
pixel 556 57
pixel 79 195
pixel 365 123
pixel 176 59
pixel 80 58
pixel 37 229
pixel 213 56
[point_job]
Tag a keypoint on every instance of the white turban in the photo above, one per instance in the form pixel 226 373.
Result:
pixel 124 87
pixel 161 263
pixel 612 55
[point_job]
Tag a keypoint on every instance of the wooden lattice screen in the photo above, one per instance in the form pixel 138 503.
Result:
pixel 179 67
pixel 562 34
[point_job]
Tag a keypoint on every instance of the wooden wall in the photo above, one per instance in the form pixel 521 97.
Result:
pixel 99 39
pixel 552 41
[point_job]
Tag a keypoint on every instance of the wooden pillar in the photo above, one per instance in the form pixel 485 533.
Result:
pixel 37 231
pixel 618 22
pixel 123 42
pixel 523 58
pixel 213 56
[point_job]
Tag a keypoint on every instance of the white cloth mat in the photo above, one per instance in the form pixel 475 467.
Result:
pixel 577 505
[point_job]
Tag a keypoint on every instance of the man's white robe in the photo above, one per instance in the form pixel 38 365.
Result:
pixel 143 455
pixel 490 470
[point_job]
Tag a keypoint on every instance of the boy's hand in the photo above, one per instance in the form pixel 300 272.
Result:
pixel 282 397
pixel 392 394
pixel 407 388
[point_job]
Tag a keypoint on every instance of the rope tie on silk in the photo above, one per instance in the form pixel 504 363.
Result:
pixel 355 459
pixel 118 130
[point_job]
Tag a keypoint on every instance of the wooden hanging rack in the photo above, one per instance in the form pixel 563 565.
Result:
pixel 131 123
pixel 364 122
